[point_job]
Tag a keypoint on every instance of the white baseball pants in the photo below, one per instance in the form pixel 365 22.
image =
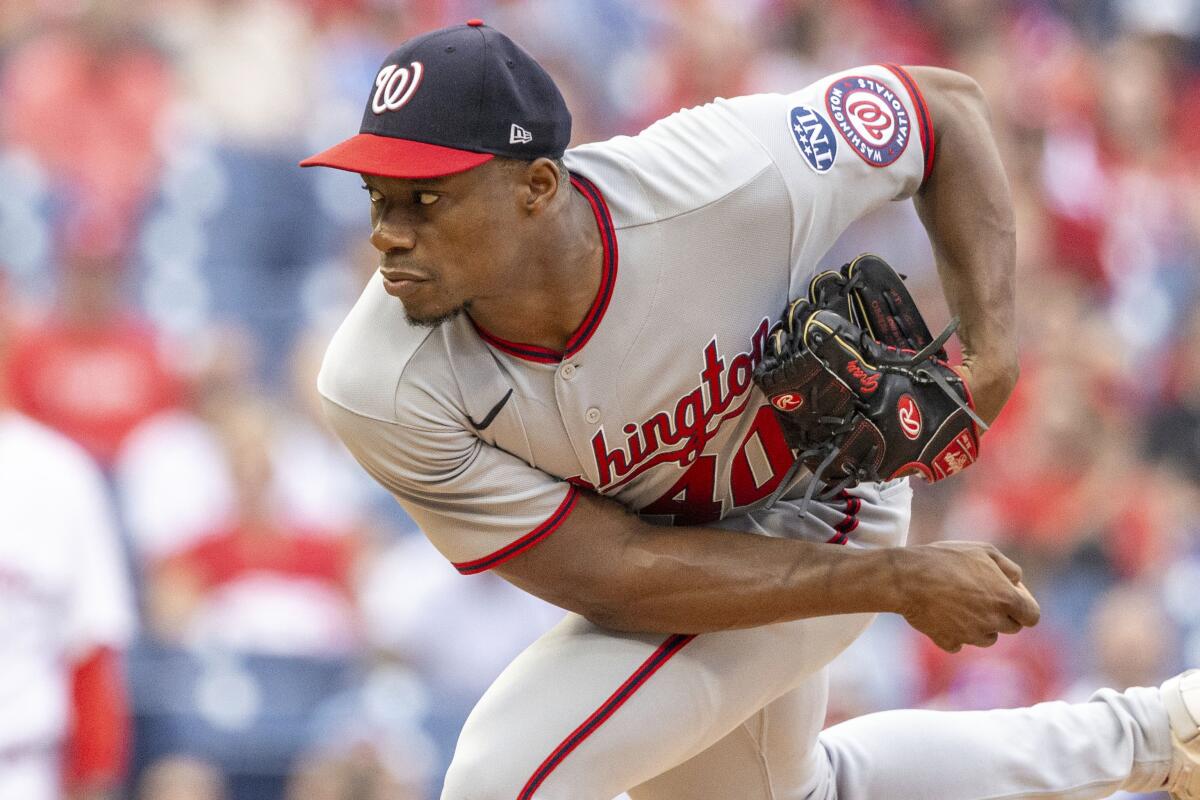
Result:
pixel 585 714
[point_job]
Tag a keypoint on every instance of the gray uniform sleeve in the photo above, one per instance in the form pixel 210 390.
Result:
pixel 479 505
pixel 817 159
pixel 843 145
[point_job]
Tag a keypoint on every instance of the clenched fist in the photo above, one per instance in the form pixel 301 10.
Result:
pixel 959 593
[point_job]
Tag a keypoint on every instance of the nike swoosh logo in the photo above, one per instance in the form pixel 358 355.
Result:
pixel 491 415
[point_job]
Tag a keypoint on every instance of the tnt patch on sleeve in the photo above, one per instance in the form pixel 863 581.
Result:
pixel 814 138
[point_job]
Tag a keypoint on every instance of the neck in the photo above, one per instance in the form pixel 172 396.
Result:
pixel 564 278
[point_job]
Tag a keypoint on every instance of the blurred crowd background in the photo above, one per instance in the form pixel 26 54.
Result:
pixel 168 279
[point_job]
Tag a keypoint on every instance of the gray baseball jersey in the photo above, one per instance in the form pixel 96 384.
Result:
pixel 710 220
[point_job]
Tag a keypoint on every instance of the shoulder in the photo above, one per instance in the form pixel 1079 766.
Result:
pixel 395 392
pixel 680 163
pixel 370 354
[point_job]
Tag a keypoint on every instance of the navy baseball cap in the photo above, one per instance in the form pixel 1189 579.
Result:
pixel 450 100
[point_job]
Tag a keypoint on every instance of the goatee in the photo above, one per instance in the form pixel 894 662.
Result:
pixel 434 321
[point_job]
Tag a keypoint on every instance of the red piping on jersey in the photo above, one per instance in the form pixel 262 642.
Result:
pixel 608 279
pixel 661 656
pixel 849 522
pixel 525 542
pixel 924 120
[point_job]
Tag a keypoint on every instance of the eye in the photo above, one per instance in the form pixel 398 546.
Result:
pixel 376 196
pixel 425 198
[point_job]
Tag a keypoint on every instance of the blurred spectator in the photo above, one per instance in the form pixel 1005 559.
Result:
pixel 1173 434
pixel 1125 650
pixel 182 778
pixel 354 773
pixel 174 475
pixel 368 743
pixel 1016 671
pixel 259 46
pixel 84 99
pixel 458 634
pixel 92 370
pixel 1061 445
pixel 67 617
pixel 258 584
pixel 255 626
pixel 245 97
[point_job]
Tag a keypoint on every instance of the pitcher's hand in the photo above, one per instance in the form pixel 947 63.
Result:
pixel 959 593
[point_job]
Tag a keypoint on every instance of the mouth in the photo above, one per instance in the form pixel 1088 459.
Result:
pixel 401 284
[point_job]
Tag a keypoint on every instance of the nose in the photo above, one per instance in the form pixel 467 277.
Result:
pixel 391 232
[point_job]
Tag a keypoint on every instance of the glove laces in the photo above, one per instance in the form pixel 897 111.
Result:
pixel 926 354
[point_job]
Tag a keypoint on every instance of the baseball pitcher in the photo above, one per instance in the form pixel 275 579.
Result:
pixel 571 368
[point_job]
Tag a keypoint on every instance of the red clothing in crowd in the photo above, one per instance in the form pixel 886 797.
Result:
pixel 92 384
pixel 282 592
pixel 1016 671
pixel 89 112
pixel 98 739
pixel 230 555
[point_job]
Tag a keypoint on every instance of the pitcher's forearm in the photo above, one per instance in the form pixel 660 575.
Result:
pixel 621 572
pixel 966 206
pixel 967 209
pixel 624 573
pixel 697 580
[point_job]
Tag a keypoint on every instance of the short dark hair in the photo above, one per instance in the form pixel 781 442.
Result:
pixel 564 174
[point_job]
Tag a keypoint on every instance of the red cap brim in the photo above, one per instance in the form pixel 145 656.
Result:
pixel 387 157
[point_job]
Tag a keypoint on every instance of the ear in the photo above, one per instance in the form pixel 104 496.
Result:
pixel 540 185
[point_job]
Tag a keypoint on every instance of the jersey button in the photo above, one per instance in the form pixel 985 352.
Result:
pixel 567 372
pixel 592 415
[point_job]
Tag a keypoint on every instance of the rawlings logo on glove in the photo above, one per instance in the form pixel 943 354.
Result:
pixel 861 389
pixel 910 416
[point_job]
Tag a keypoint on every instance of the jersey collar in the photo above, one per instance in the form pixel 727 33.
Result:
pixel 608 279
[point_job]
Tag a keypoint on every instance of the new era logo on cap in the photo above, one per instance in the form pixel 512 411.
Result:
pixel 441 102
pixel 518 135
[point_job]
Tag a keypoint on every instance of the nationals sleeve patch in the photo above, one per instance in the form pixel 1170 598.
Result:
pixel 814 138
pixel 870 117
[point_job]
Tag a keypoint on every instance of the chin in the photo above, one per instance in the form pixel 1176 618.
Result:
pixel 431 319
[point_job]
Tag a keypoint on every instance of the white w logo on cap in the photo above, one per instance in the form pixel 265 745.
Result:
pixel 394 86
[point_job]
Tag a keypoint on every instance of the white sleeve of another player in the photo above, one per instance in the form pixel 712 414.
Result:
pixel 101 602
pixel 844 145
pixel 479 505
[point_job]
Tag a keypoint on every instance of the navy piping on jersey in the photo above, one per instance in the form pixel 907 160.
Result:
pixel 661 656
pixel 924 120
pixel 525 542
pixel 608 279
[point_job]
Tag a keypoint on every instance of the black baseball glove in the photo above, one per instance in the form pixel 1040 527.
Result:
pixel 862 391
